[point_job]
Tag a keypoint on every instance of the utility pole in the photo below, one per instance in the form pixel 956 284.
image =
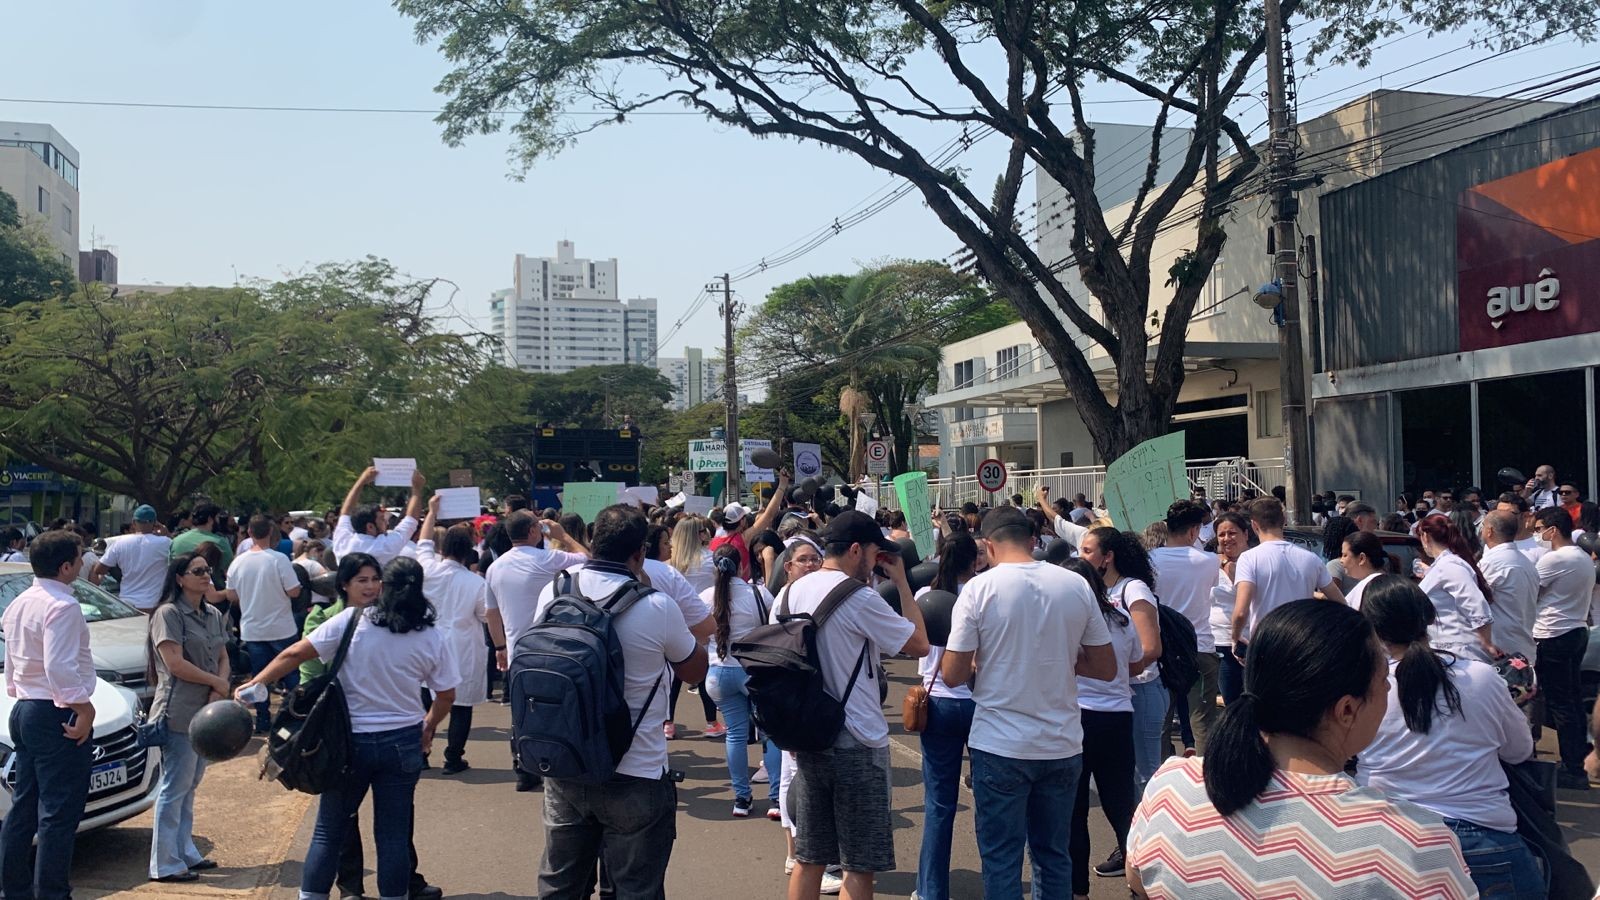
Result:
pixel 1285 207
pixel 730 388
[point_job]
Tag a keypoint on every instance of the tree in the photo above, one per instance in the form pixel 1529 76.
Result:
pixel 840 74
pixel 269 395
pixel 30 266
pixel 874 338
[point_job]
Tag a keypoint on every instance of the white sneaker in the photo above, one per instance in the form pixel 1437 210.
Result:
pixel 760 777
pixel 831 883
pixel 788 866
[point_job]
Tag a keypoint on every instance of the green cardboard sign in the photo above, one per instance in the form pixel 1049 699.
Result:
pixel 587 498
pixel 1143 482
pixel 912 490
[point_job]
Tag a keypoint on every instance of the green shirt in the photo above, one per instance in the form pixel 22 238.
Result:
pixel 194 537
pixel 313 667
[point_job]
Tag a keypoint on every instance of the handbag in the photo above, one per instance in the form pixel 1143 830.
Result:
pixel 914 708
pixel 309 746
pixel 152 734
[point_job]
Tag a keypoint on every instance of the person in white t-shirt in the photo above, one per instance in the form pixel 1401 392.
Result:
pixel 949 723
pixel 1514 582
pixel 1060 515
pixel 13 545
pixel 263 584
pixel 1561 630
pixel 394 648
pixel 1032 627
pixel 366 529
pixel 142 556
pixel 1449 725
pixel 1526 543
pixel 1273 573
pixel 1186 576
pixel 840 796
pixel 629 821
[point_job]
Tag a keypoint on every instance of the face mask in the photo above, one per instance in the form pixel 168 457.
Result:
pixel 1542 542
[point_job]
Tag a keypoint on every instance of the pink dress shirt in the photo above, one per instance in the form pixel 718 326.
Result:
pixel 47 646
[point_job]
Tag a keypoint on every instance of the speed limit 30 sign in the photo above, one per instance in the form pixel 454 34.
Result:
pixel 991 475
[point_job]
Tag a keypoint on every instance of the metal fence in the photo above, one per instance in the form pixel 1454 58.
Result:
pixel 1225 478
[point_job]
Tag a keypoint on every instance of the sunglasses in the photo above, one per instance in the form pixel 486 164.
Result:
pixel 1567 492
pixel 204 570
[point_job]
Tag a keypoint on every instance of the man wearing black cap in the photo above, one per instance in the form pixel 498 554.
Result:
pixel 1036 628
pixel 839 799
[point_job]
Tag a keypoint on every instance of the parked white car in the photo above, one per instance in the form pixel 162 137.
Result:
pixel 122 778
pixel 118 634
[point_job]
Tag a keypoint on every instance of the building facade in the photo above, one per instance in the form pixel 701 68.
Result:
pixel 1461 315
pixel 564 314
pixel 97 265
pixel 40 170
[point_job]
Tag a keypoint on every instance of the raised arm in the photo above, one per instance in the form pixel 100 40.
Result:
pixel 775 503
pixel 414 505
pixel 353 499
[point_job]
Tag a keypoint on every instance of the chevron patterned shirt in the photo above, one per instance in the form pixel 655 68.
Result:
pixel 1320 836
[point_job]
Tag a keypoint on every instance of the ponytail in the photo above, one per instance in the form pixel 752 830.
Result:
pixel 726 563
pixel 1305 656
pixel 1400 613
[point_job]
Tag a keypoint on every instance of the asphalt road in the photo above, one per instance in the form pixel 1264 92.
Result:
pixel 480 839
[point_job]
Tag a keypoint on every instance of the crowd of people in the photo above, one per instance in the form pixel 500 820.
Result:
pixel 1227 693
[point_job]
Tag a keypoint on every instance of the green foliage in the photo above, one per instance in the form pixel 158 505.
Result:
pixel 31 267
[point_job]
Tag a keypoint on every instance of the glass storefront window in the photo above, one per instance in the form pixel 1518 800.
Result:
pixel 1435 439
pixel 1532 420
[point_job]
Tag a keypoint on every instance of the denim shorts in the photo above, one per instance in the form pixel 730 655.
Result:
pixel 840 804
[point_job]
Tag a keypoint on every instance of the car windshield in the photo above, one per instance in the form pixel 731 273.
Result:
pixel 97 605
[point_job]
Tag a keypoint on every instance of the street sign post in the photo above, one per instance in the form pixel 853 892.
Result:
pixel 991 475
pixel 877 457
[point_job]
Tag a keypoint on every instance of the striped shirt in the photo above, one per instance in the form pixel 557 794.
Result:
pixel 1316 836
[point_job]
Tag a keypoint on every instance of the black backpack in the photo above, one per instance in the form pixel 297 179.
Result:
pixel 308 748
pixel 788 697
pixel 1179 647
pixel 569 716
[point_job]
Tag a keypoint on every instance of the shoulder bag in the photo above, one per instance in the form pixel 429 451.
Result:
pixel 308 748
pixel 154 733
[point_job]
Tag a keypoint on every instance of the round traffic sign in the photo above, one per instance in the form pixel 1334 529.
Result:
pixel 877 451
pixel 991 475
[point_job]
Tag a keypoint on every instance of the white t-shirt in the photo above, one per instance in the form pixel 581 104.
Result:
pixel 1115 695
pixel 1531 548
pixel 382 670
pixel 701 575
pixel 664 578
pixel 1222 600
pixel 516 579
pixel 928 670
pixel 1071 532
pixel 263 579
pixel 863 619
pixel 1459 606
pixel 1027 622
pixel 1352 597
pixel 1282 573
pixel 1566 587
pixel 748 606
pixel 1454 769
pixel 1186 577
pixel 1515 583
pixel 653 636
pixel 1128 593
pixel 383 547
pixel 313 567
pixel 298 534
pixel 14 556
pixel 143 559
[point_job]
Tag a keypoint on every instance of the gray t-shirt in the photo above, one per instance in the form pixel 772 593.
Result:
pixel 204 639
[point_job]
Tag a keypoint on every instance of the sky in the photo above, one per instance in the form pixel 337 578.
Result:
pixel 205 196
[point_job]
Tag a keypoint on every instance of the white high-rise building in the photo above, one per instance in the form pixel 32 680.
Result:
pixel 563 314
pixel 40 170
pixel 694 379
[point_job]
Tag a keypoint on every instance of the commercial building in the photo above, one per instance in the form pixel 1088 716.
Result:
pixel 1461 315
pixel 1002 396
pixel 97 265
pixel 39 169
pixel 694 380
pixel 564 314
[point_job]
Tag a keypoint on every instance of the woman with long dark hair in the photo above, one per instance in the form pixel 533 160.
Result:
pixel 1316 688
pixel 189 665
pixel 1130 581
pixel 1459 592
pixel 1234 536
pixel 1333 534
pixel 944 737
pixel 459 596
pixel 1107 719
pixel 1449 726
pixel 1363 558
pixel 738 607
pixel 394 648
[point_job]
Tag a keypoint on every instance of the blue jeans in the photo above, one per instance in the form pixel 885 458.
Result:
pixel 52 789
pixel 388 762
pixel 1501 864
pixel 261 653
pixel 725 684
pixel 1230 676
pixel 172 849
pixel 1025 801
pixel 944 740
pixel 1149 721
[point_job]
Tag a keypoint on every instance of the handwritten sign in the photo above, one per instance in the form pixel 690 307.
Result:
pixel 1143 482
pixel 912 491
pixel 866 503
pixel 699 506
pixel 459 503
pixel 393 471
pixel 586 498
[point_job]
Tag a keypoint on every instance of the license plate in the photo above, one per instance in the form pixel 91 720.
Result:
pixel 107 776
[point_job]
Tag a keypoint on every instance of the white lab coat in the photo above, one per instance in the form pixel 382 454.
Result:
pixel 1459 605
pixel 459 596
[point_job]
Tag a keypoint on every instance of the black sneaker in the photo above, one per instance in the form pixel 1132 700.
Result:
pixel 1569 780
pixel 455 766
pixel 1113 866
pixel 526 782
pixel 741 807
